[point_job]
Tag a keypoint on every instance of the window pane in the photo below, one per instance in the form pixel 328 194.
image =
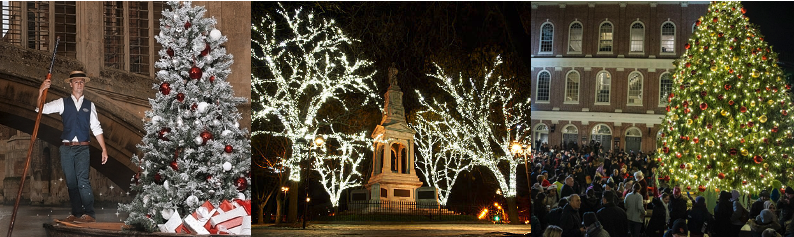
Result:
pixel 605 38
pixel 668 38
pixel 546 37
pixel 635 88
pixel 570 130
pixel 603 85
pixel 114 34
pixel 637 37
pixel 543 86
pixel 572 87
pixel 575 44
pixel 666 87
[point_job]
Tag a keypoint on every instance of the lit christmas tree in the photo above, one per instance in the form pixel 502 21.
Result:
pixel 727 125
pixel 441 159
pixel 487 111
pixel 307 68
pixel 194 150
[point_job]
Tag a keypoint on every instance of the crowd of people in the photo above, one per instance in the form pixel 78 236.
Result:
pixel 584 191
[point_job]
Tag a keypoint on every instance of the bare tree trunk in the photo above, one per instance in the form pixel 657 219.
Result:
pixel 279 203
pixel 512 211
pixel 292 215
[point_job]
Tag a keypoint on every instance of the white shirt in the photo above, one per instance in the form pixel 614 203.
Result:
pixel 57 106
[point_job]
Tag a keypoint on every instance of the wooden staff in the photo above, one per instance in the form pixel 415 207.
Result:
pixel 40 105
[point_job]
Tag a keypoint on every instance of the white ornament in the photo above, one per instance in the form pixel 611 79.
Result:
pixel 197 123
pixel 167 213
pixel 236 124
pixel 192 201
pixel 241 196
pixel 179 121
pixel 226 133
pixel 174 62
pixel 156 119
pixel 215 35
pixel 227 166
pixel 216 122
pixel 146 199
pixel 202 107
pixel 165 185
pixel 199 140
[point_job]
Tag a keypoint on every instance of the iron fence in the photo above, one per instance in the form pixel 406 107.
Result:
pixel 378 210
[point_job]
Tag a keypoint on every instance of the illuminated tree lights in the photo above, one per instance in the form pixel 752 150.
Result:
pixel 441 158
pixel 306 68
pixel 727 125
pixel 338 168
pixel 477 105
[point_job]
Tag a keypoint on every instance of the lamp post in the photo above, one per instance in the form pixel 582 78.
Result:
pixel 518 149
pixel 318 142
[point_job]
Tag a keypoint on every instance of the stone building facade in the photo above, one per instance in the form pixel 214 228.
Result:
pixel 601 70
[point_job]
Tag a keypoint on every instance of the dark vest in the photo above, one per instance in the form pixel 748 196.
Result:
pixel 76 123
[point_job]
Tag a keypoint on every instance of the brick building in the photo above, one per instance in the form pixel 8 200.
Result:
pixel 599 69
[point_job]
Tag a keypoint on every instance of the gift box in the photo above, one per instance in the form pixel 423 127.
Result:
pixel 174 221
pixel 246 225
pixel 225 206
pixel 244 204
pixel 229 222
pixel 198 221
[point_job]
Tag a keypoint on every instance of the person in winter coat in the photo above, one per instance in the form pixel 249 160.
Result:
pixel 613 218
pixel 568 188
pixel 679 229
pixel 764 221
pixel 551 197
pixel 758 205
pixel 722 215
pixel 536 226
pixel 554 215
pixel 661 215
pixel 593 226
pixel 786 206
pixel 739 215
pixel 553 231
pixel 640 178
pixel 635 210
pixel 590 202
pixel 697 217
pixel 539 210
pixel 677 206
pixel 570 220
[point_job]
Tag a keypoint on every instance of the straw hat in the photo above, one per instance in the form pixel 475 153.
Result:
pixel 76 75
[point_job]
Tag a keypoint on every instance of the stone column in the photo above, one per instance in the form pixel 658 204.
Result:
pixel 386 159
pixel 90 41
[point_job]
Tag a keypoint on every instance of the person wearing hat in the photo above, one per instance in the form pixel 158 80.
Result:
pixel 785 205
pixel 613 218
pixel 677 206
pixel 593 226
pixel 758 205
pixel 764 221
pixel 679 229
pixel 79 117
pixel 699 217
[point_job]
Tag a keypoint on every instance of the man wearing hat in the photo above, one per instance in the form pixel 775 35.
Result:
pixel 785 205
pixel 758 205
pixel 679 229
pixel 79 117
pixel 593 227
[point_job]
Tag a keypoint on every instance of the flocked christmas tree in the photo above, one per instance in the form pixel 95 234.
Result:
pixel 194 149
pixel 727 125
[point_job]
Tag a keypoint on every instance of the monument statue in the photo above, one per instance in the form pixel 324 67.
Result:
pixel 393 75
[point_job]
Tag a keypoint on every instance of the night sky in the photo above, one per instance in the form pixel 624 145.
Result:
pixel 775 20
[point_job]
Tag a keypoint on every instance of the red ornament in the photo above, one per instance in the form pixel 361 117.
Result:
pixel 720 97
pixel 693 72
pixel 187 25
pixel 698 157
pixel 733 151
pixel 158 177
pixel 180 97
pixel 174 165
pixel 212 79
pixel 750 124
pixel 744 10
pixel 788 86
pixel 686 104
pixel 170 52
pixel 668 108
pixel 209 176
pixel 688 187
pixel 701 188
pixel 195 72
pixel 205 136
pixel 720 34
pixel 241 184
pixel 228 149
pixel 165 88
pixel 696 140
pixel 744 182
pixel 163 132
pixel 688 64
pixel 741 125
pixel 743 109
pixel 681 87
pixel 715 20
pixel 703 106
pixel 686 46
pixel 706 47
pixel 703 93
pixel 764 57
pixel 667 178
pixel 721 175
pixel 678 155
pixel 193 107
pixel 708 126
pixel 774 129
pixel 784 113
pixel 686 111
pixel 727 87
pixel 730 102
pixel 785 156
pixel 697 23
pixel 742 141
pixel 666 150
pixel 739 76
pixel 758 159
pixel 206 50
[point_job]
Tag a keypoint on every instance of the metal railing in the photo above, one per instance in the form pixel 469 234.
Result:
pixel 378 210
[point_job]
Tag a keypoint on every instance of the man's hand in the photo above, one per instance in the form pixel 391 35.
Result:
pixel 104 156
pixel 45 85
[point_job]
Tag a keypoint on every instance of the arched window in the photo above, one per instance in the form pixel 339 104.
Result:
pixel 570 134
pixel 602 134
pixel 575 38
pixel 540 134
pixel 546 37
pixel 668 38
pixel 635 88
pixel 544 79
pixel 637 37
pixel 605 37
pixel 572 87
pixel 665 87
pixel 603 86
pixel 633 140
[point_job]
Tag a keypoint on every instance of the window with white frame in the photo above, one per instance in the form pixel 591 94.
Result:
pixel 575 38
pixel 572 87
pixel 635 88
pixel 605 37
pixel 665 87
pixel 637 37
pixel 546 37
pixel 603 86
pixel 544 78
pixel 668 37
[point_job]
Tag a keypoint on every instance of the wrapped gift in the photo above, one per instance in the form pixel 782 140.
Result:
pixel 245 204
pixel 225 206
pixel 246 225
pixel 174 221
pixel 229 222
pixel 198 221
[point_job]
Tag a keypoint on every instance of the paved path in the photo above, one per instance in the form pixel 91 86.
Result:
pixel 393 229
pixel 30 219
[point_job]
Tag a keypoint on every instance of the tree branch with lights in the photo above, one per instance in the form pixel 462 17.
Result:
pixel 338 167
pixel 727 125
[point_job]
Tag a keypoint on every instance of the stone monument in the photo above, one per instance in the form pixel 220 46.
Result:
pixel 393 176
